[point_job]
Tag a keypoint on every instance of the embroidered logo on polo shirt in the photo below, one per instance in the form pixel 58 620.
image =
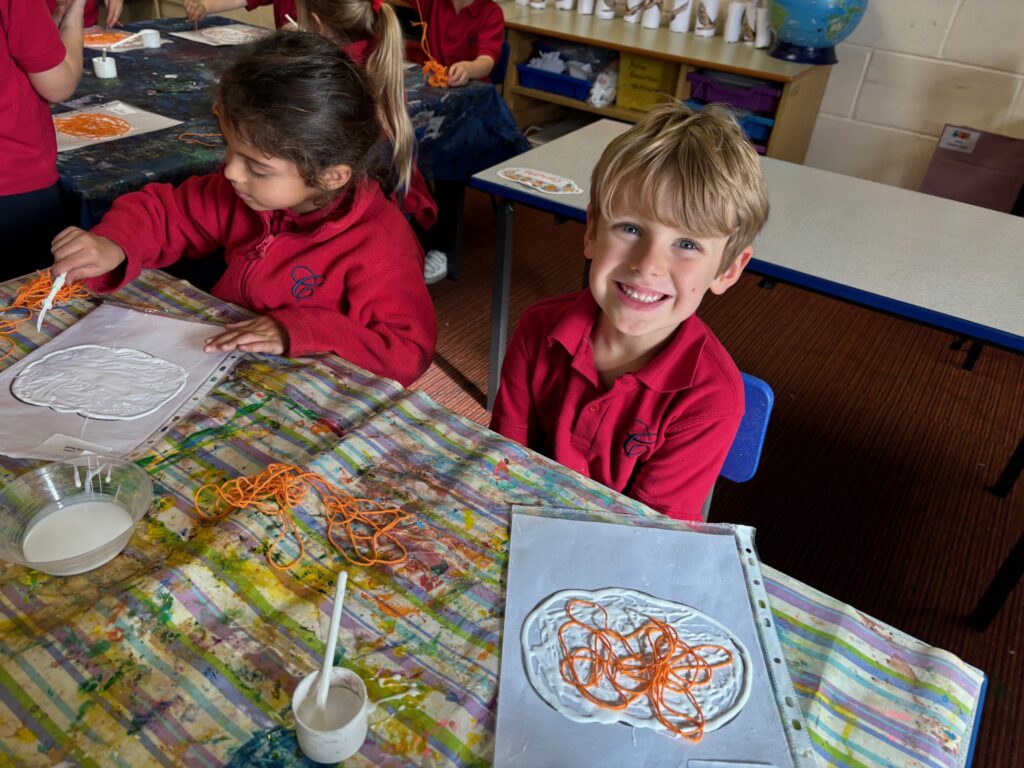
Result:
pixel 638 439
pixel 304 282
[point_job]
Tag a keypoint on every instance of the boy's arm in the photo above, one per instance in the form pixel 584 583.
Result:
pixel 677 479
pixel 386 325
pixel 490 39
pixel 160 224
pixel 461 72
pixel 59 82
pixel 195 10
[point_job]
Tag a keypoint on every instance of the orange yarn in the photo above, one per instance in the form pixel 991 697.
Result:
pixel 369 526
pixel 202 139
pixel 30 298
pixel 435 72
pixel 651 661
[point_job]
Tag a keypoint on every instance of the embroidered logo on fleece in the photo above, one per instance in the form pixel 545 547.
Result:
pixel 305 282
pixel 638 439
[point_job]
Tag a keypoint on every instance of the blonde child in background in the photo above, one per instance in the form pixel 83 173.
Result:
pixel 622 382
pixel 312 245
pixel 40 62
pixel 370 33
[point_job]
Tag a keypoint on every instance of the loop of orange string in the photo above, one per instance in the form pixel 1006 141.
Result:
pixel 202 139
pixel 435 72
pixel 369 527
pixel 29 299
pixel 652 662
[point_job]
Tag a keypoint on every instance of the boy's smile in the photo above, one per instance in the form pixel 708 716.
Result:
pixel 648 277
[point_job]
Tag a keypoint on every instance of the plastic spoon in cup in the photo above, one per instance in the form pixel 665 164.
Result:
pixel 332 640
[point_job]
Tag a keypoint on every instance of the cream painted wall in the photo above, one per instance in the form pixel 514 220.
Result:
pixel 910 67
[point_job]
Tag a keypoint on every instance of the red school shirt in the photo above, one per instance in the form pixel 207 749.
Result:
pixel 29 42
pixel 281 8
pixel 476 30
pixel 659 435
pixel 347 278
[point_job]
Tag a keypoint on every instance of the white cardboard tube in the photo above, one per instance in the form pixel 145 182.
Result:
pixel 104 67
pixel 651 17
pixel 734 22
pixel 150 38
pixel 707 18
pixel 563 5
pixel 764 32
pixel 633 7
pixel 605 9
pixel 679 20
pixel 585 7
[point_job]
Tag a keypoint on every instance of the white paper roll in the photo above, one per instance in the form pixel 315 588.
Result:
pixel 734 22
pixel 585 7
pixel 679 20
pixel 539 5
pixel 605 9
pixel 651 17
pixel 764 32
pixel 522 2
pixel 707 18
pixel 632 15
pixel 563 5
pixel 105 68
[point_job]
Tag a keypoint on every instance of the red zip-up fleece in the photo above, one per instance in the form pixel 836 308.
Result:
pixel 347 278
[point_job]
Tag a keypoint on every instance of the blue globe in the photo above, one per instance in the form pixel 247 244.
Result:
pixel 807 31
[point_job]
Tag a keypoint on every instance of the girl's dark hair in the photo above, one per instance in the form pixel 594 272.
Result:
pixel 297 96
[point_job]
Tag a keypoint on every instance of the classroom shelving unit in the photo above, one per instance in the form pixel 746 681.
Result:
pixel 802 85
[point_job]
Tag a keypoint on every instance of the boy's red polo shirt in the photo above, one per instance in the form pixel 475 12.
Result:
pixel 659 435
pixel 476 30
pixel 29 42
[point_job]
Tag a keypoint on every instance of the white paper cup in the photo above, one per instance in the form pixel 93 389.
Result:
pixel 150 38
pixel 105 68
pixel 344 728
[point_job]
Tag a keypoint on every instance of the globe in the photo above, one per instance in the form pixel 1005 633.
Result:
pixel 807 31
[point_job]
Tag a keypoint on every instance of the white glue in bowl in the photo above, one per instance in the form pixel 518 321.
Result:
pixel 338 731
pixel 72 516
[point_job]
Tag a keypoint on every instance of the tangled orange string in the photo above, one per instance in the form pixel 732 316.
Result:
pixel 370 527
pixel 435 72
pixel 202 139
pixel 651 661
pixel 30 299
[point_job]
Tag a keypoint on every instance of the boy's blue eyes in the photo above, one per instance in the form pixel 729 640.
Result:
pixel 686 243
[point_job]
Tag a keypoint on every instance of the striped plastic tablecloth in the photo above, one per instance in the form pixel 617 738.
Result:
pixel 185 649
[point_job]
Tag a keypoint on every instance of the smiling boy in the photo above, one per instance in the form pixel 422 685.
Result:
pixel 622 382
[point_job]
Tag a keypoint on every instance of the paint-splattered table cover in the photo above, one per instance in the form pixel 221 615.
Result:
pixel 185 649
pixel 459 131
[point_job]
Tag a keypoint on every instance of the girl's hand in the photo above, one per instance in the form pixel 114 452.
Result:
pixel 78 254
pixel 458 74
pixel 194 10
pixel 261 334
pixel 114 12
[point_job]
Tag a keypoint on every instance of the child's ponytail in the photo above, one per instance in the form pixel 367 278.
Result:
pixel 384 68
pixel 349 22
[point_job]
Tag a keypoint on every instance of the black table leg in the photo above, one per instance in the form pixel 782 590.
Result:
pixel 499 296
pixel 1010 472
pixel 999 590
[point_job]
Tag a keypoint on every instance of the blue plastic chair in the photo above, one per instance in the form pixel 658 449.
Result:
pixel 745 454
pixel 498 73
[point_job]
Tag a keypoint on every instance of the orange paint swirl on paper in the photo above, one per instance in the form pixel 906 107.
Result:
pixel 104 38
pixel 92 125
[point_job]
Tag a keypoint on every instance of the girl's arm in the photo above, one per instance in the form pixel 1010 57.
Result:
pixel 195 10
pixel 59 83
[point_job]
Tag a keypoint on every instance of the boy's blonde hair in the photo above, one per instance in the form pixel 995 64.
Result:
pixel 695 170
pixel 348 21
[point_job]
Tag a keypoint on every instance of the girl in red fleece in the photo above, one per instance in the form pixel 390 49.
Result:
pixel 312 244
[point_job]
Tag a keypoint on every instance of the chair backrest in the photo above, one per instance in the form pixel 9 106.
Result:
pixel 498 73
pixel 741 462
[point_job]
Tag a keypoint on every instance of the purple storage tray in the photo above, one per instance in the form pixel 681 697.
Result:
pixel 756 98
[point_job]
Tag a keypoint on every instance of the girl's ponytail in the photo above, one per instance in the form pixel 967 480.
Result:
pixel 384 68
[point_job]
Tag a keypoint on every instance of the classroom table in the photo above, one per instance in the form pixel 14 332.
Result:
pixel 935 261
pixel 185 649
pixel 459 130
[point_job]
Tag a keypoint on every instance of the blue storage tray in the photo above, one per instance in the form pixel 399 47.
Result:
pixel 563 85
pixel 756 127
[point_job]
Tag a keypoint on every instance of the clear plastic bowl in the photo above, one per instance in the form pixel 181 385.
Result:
pixel 72 516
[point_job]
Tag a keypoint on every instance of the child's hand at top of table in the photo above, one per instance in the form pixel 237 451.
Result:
pixel 458 74
pixel 260 334
pixel 114 12
pixel 461 72
pixel 78 254
pixel 194 10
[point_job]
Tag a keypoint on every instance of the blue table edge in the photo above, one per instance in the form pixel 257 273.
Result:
pixel 977 721
pixel 801 279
